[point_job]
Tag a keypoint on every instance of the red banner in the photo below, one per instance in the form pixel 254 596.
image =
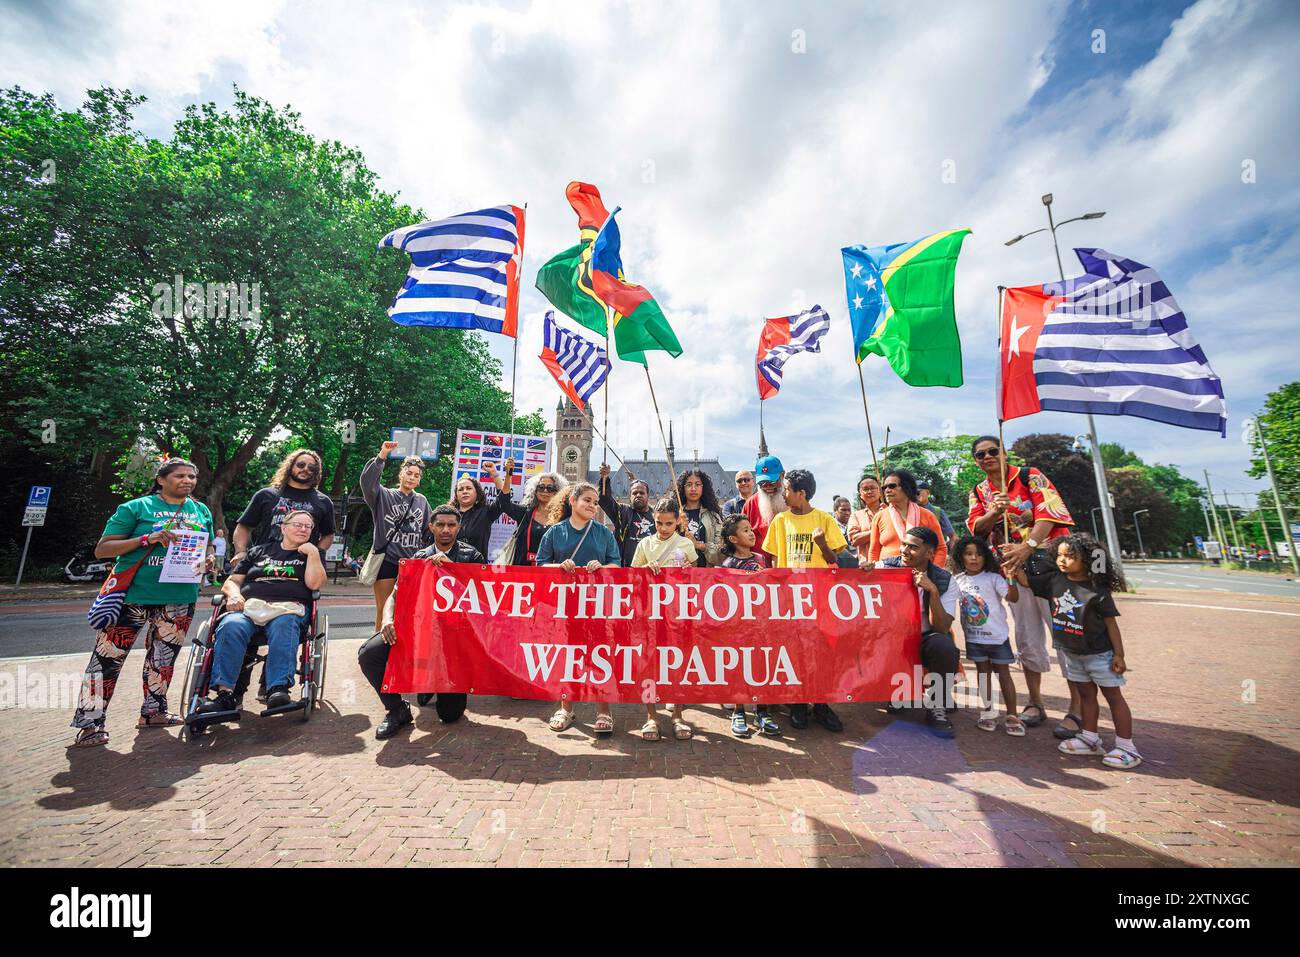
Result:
pixel 692 636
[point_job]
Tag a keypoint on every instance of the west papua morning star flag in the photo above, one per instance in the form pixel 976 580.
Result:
pixel 1110 342
pixel 464 271
pixel 579 366
pixel 783 337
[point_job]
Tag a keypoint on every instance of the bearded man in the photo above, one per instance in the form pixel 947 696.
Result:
pixel 768 499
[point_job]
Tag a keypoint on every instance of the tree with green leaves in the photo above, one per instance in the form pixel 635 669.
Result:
pixel 945 463
pixel 214 295
pixel 1281 423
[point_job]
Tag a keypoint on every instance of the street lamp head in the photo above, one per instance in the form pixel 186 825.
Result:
pixel 1078 446
pixel 1012 242
pixel 1047 199
pixel 1094 215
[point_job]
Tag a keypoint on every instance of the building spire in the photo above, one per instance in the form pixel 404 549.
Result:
pixel 762 443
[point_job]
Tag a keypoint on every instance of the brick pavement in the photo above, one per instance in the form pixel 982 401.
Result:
pixel 1219 785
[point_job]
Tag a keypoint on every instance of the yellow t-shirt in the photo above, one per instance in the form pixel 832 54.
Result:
pixel 789 539
pixel 652 548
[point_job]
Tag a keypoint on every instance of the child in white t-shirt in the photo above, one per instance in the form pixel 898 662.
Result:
pixel 667 548
pixel 984 625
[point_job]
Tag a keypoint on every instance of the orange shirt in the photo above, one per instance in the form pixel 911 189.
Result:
pixel 886 542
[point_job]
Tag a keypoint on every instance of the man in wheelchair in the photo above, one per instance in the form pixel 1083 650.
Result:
pixel 270 589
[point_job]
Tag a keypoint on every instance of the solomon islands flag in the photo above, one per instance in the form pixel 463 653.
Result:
pixel 464 271
pixel 1110 342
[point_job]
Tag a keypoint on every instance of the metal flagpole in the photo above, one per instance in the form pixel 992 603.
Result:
pixel 514 355
pixel 886 448
pixel 609 313
pixel 1277 500
pixel 1002 455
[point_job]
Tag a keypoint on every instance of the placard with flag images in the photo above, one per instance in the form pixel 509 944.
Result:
pixel 464 271
pixel 1110 342
pixel 579 366
pixel 901 306
pixel 587 279
pixel 784 337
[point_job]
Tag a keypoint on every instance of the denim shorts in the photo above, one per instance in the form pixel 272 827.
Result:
pixel 998 654
pixel 1095 668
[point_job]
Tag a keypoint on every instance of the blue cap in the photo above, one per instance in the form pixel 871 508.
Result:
pixel 768 469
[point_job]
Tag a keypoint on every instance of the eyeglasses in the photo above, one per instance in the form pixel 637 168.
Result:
pixel 986 453
pixel 548 488
pixel 306 525
pixel 888 485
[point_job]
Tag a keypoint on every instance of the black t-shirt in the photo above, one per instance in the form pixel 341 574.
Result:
pixel 460 552
pixel 695 529
pixel 270 505
pixel 274 574
pixel 1078 613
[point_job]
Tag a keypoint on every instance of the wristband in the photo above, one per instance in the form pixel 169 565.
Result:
pixel 144 541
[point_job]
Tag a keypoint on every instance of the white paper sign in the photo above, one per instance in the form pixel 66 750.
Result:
pixel 185 558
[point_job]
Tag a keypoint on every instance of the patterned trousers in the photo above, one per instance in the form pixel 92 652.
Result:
pixel 164 628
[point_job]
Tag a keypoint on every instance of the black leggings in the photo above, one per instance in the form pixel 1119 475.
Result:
pixel 373 659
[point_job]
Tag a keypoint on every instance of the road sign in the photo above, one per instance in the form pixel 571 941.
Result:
pixel 416 441
pixel 34 517
pixel 1213 550
pixel 1295 531
pixel 39 497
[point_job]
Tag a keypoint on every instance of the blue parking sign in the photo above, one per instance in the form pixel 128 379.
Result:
pixel 39 497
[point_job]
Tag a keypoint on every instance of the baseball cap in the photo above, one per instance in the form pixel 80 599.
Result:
pixel 768 469
pixel 923 486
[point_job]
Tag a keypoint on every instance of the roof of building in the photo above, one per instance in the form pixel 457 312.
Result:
pixel 656 474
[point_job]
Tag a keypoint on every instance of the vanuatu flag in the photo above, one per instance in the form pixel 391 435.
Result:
pixel 901 306
pixel 639 324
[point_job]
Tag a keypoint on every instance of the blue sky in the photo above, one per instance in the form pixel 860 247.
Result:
pixel 748 142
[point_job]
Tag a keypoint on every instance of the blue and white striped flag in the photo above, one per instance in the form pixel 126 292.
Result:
pixel 783 337
pixel 1110 342
pixel 464 271
pixel 579 365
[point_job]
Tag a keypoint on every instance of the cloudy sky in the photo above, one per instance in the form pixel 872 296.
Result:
pixel 748 142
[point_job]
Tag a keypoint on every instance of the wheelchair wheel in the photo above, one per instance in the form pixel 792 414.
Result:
pixel 193 673
pixel 321 661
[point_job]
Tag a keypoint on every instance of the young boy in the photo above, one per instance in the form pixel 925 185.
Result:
pixel 738 542
pixel 805 537
pixel 666 548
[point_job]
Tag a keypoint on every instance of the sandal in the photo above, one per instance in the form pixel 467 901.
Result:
pixel 164 719
pixel 89 737
pixel 1036 719
pixel 1119 758
pixel 604 723
pixel 1078 746
pixel 1064 733
pixel 1015 727
pixel 682 731
pixel 650 730
pixel 988 721
pixel 561 720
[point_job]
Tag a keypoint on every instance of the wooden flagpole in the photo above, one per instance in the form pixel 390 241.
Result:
pixel 663 436
pixel 886 448
pixel 862 383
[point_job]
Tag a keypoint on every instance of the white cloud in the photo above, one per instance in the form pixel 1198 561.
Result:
pixel 744 165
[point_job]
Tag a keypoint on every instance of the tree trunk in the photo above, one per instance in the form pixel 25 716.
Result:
pixel 224 477
pixel 339 481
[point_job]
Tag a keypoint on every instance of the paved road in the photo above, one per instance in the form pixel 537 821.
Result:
pixel 59 629
pixel 1194 577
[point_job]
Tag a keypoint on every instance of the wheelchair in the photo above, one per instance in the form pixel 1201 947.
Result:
pixel 313 655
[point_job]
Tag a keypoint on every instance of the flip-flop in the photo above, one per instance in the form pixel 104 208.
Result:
pixel 169 720
pixel 90 737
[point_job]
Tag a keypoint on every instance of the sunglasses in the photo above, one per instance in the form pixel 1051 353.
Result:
pixel 889 485
pixel 744 481
pixel 548 488
pixel 309 466
pixel 986 453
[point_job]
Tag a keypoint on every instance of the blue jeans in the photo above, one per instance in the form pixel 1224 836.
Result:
pixel 235 630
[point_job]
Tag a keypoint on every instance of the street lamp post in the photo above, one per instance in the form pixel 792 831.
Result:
pixel 1099 470
pixel 1277 499
pixel 1092 514
pixel 1142 552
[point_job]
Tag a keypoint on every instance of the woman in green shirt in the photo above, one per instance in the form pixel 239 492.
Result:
pixel 162 610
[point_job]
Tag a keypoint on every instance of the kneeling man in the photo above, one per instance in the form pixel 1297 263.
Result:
pixel 939 595
pixel 373 656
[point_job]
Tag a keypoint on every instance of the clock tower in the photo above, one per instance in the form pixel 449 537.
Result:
pixel 573 440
